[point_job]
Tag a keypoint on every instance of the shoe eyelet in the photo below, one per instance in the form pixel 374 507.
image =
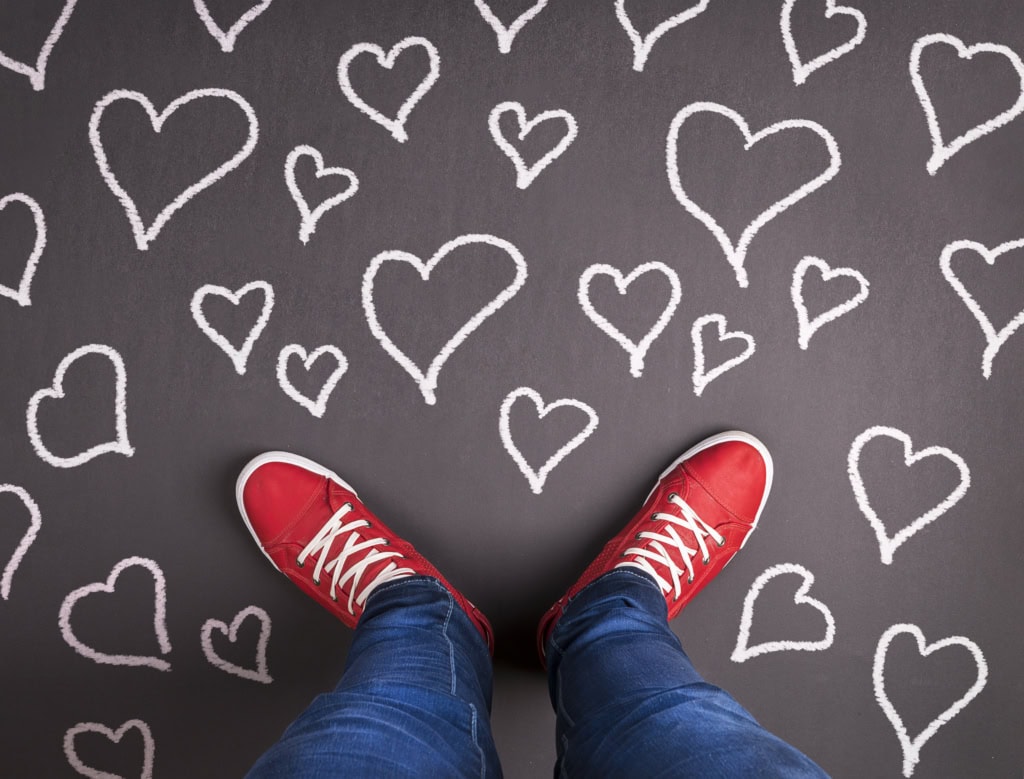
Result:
pixel 638 537
pixel 689 580
pixel 672 496
pixel 300 563
pixel 316 582
pixel 334 597
pixel 722 542
pixel 706 560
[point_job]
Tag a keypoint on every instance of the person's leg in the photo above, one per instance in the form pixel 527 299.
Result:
pixel 415 696
pixel 628 702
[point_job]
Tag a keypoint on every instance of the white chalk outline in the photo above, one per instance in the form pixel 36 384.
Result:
pixel 642 45
pixel 239 357
pixel 887 545
pixel 427 382
pixel 261 674
pixel 394 126
pixel 319 406
pixel 802 70
pixel 226 39
pixel 744 651
pixel 539 477
pixel 700 378
pixel 508 34
pixel 736 255
pixel 143 235
pixel 941 151
pixel 21 294
pixel 148 747
pixel 310 218
pixel 636 351
pixel 159 617
pixel 525 175
pixel 994 339
pixel 37 75
pixel 807 327
pixel 912 746
pixel 35 521
pixel 56 390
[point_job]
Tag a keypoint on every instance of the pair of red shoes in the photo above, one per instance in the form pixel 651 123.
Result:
pixel 312 526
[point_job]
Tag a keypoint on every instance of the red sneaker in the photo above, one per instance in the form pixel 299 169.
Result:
pixel 697 517
pixel 312 526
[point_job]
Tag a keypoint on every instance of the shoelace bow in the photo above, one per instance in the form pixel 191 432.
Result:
pixel 342 570
pixel 661 544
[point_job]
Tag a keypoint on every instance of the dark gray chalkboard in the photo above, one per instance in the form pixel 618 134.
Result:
pixel 909 357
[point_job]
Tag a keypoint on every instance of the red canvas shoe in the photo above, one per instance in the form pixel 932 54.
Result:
pixel 698 516
pixel 312 526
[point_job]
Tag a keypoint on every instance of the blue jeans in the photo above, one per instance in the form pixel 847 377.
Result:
pixel 416 695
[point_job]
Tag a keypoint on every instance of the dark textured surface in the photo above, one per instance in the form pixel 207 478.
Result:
pixel 909 357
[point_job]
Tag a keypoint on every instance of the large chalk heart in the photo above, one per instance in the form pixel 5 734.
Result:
pixel 258 674
pixel 21 292
pixel 227 38
pixel 642 44
pixel 888 544
pixel 801 69
pixel 37 72
pixel 912 746
pixel 145 235
pixel 508 34
pixel 120 443
pixel 427 380
pixel 239 354
pixel 159 616
pixel 148 746
pixel 736 253
pixel 35 521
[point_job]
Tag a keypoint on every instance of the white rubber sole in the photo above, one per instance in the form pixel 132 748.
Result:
pixel 721 438
pixel 278 457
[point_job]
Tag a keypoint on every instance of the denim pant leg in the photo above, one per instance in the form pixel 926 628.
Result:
pixel 629 703
pixel 414 700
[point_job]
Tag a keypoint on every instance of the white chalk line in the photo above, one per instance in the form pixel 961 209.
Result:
pixel 888 544
pixel 259 674
pixel 702 378
pixel 159 617
pixel 119 445
pixel 637 351
pixel 941 151
pixel 145 235
pixel 239 355
pixel 148 747
pixel 508 34
pixel 37 73
pixel 912 746
pixel 737 254
pixel 806 327
pixel 994 339
pixel 319 406
pixel 642 44
pixel 227 38
pixel 310 217
pixel 526 174
pixel 537 478
pixel 35 521
pixel 427 381
pixel 801 70
pixel 387 60
pixel 21 294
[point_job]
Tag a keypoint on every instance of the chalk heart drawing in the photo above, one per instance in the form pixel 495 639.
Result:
pixel 227 38
pixel 21 292
pixel 888 544
pixel 744 651
pixel 55 391
pixel 942 151
pixel 636 351
pixel 912 746
pixel 701 376
pixel 310 217
pixel 35 521
pixel 145 235
pixel 395 126
pixel 427 380
pixel 736 253
pixel 642 44
pixel 37 72
pixel 319 406
pixel 148 747
pixel 508 34
pixel 526 174
pixel 807 326
pixel 260 673
pixel 159 617
pixel 801 69
pixel 994 338
pixel 239 355
pixel 536 478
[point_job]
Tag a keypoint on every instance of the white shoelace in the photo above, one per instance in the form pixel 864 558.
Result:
pixel 353 547
pixel 658 553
